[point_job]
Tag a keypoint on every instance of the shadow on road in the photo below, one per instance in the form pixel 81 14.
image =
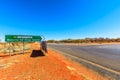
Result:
pixel 37 53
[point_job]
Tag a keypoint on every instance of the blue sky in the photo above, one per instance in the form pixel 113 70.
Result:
pixel 60 19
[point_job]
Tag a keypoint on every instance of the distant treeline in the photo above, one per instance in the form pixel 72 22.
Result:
pixel 86 40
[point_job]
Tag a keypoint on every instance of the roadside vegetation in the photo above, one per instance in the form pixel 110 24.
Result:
pixel 86 40
pixel 13 47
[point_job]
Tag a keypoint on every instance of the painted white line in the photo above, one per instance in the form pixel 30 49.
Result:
pixel 74 70
pixel 71 68
pixel 95 64
pixel 89 62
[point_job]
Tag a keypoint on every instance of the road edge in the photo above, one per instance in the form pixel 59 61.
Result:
pixel 98 68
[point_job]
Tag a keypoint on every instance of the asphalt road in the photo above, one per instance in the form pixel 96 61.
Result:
pixel 105 55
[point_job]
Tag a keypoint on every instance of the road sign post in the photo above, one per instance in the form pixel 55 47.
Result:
pixel 23 48
pixel 9 49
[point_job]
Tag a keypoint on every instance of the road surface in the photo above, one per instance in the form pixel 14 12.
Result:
pixel 104 55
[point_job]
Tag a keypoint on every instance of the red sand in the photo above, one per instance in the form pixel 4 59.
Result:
pixel 53 66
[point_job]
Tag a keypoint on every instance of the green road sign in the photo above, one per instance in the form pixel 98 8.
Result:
pixel 22 38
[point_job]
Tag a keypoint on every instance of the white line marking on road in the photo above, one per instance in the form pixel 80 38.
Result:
pixel 74 70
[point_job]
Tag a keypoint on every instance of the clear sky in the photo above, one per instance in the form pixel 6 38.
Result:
pixel 60 19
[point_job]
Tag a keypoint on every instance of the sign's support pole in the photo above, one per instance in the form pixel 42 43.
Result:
pixel 9 49
pixel 23 48
pixel 4 47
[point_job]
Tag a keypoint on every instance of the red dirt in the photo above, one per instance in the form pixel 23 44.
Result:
pixel 52 66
